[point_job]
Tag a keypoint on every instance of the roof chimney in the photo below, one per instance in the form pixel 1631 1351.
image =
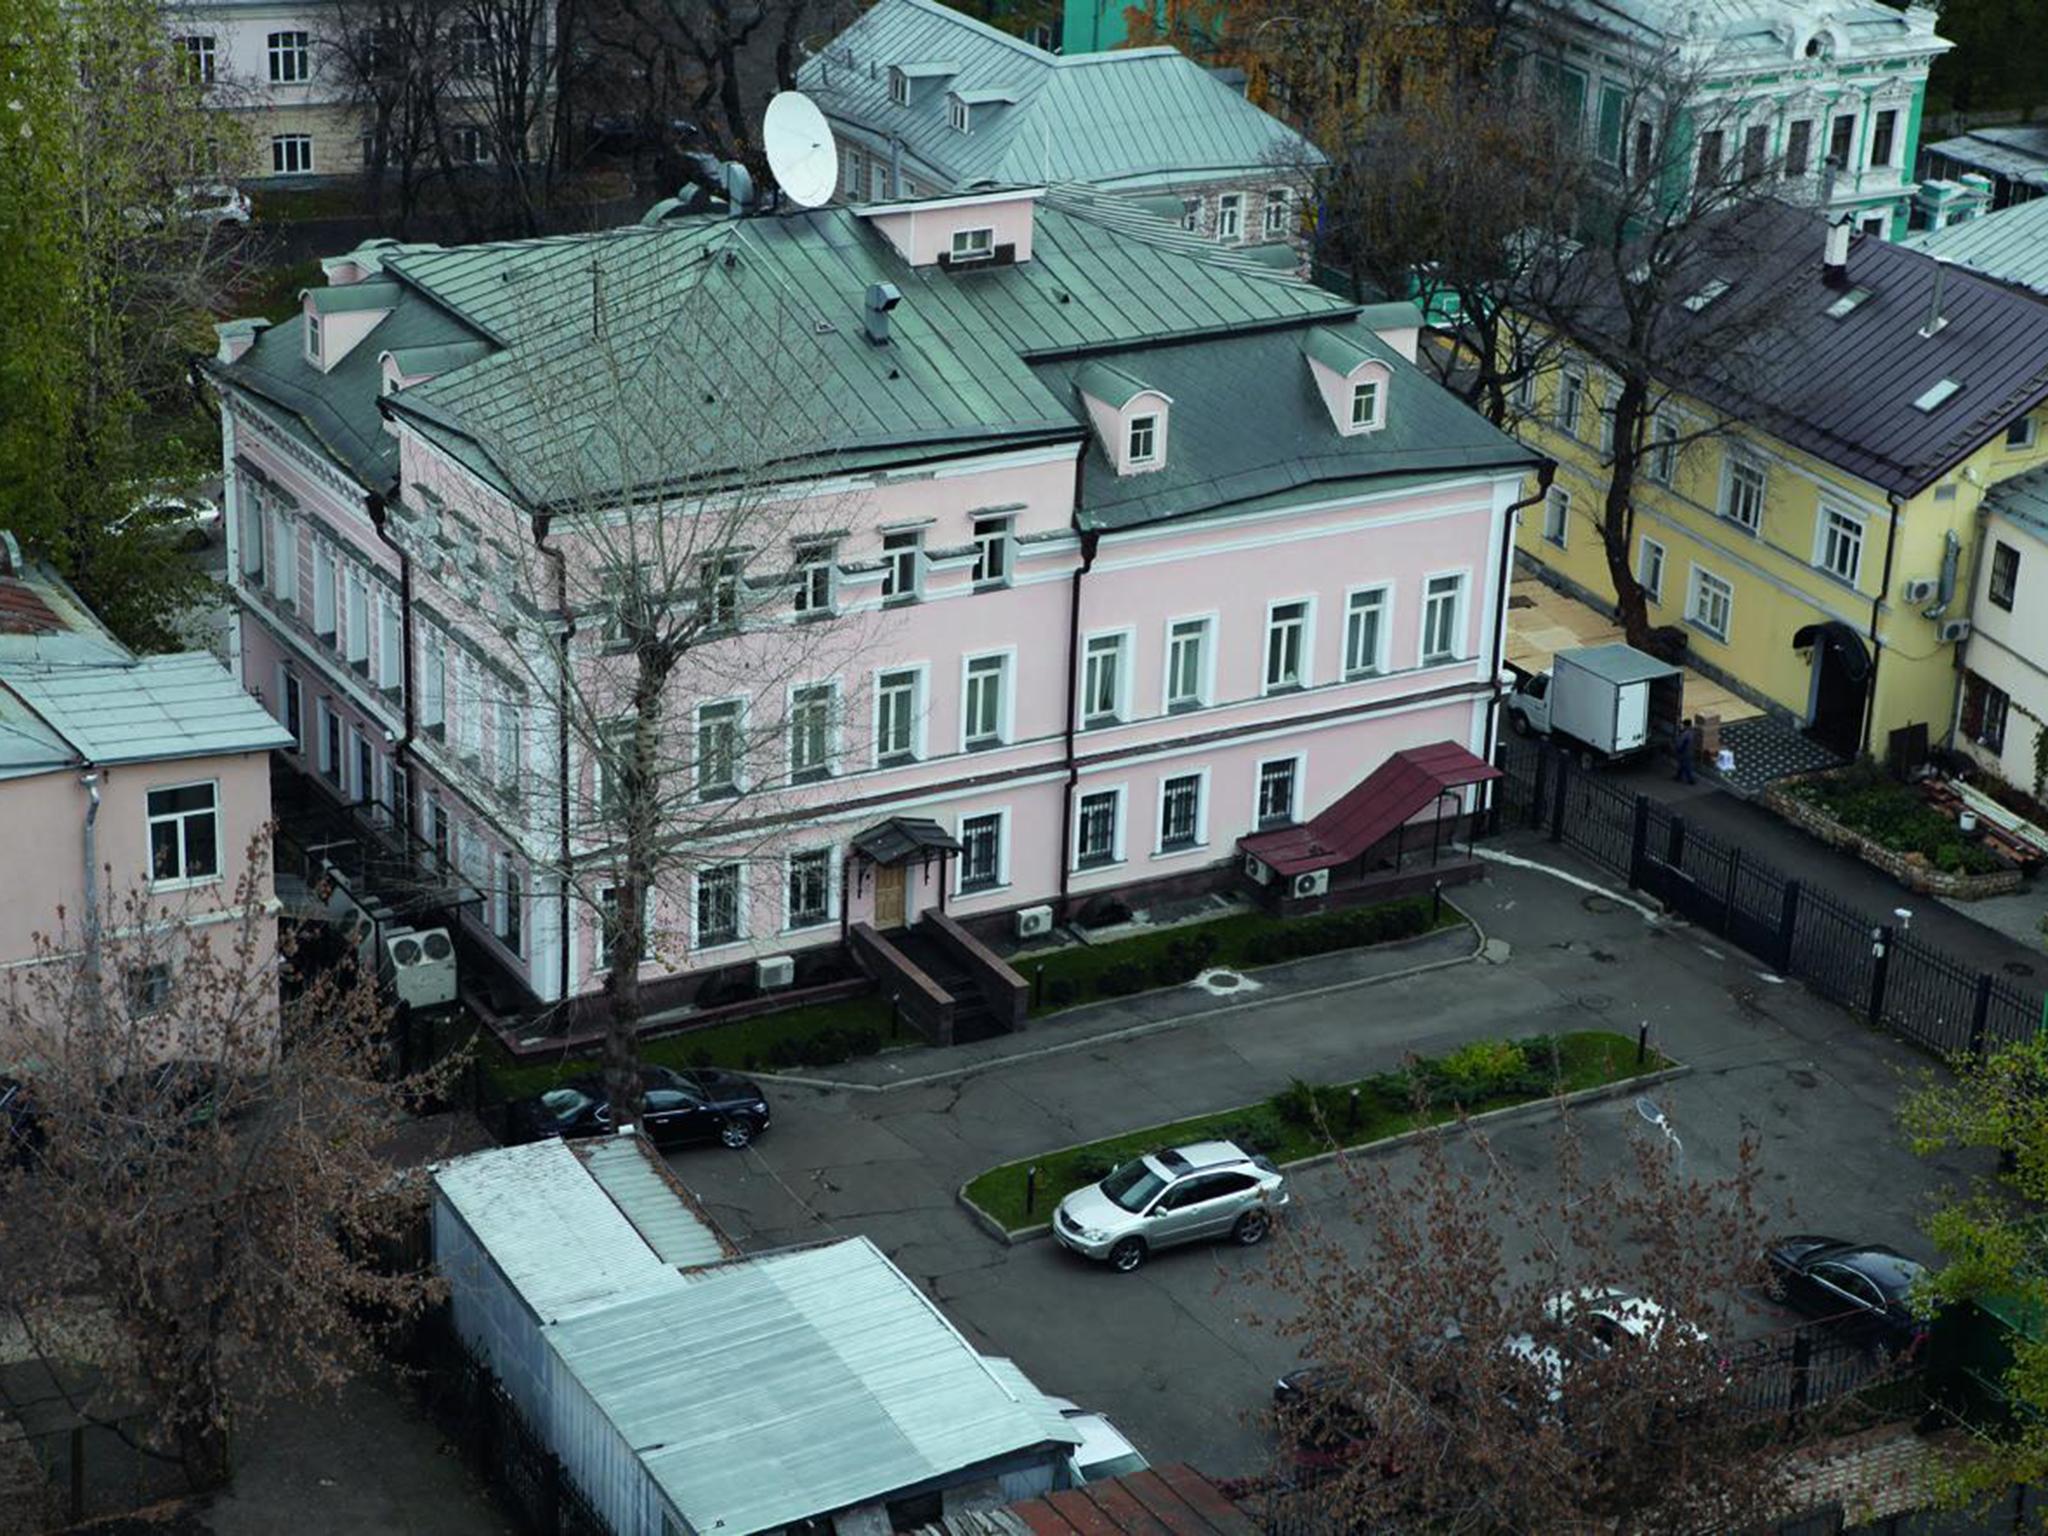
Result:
pixel 1834 267
pixel 882 297
pixel 1935 318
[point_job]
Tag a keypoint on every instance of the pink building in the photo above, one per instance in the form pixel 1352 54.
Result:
pixel 1145 548
pixel 122 773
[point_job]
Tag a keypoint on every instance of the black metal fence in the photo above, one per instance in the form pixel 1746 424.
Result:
pixel 1894 980
pixel 1784 1375
pixel 464 1398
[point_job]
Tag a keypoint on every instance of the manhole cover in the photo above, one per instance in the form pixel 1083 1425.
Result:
pixel 2018 968
pixel 1598 904
pixel 1593 1002
pixel 1220 982
pixel 1224 979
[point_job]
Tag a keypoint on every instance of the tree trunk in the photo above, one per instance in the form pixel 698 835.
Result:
pixel 1618 514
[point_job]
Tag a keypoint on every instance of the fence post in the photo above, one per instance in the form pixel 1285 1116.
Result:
pixel 1728 898
pixel 1788 924
pixel 1674 845
pixel 1639 845
pixel 1564 784
pixel 1980 1015
pixel 1802 1357
pixel 1881 964
pixel 1539 787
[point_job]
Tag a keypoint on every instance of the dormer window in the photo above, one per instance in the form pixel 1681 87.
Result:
pixel 899 88
pixel 973 244
pixel 1365 404
pixel 313 339
pixel 1129 417
pixel 958 117
pixel 1142 445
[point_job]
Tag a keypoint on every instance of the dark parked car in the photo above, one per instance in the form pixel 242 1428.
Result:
pixel 1863 1287
pixel 678 1107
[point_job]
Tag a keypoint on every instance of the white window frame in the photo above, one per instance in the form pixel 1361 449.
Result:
pixel 1557 516
pixel 2020 434
pixel 201 52
pixel 698 943
pixel 849 171
pixel 1697 578
pixel 355 605
pixel 1230 217
pixel 1148 425
pixel 902 555
pixel 828 688
pixel 508 749
pixel 1118 851
pixel 184 879
pixel 1660 462
pixel 1571 386
pixel 1734 466
pixel 1824 527
pixel 1890 159
pixel 289 57
pixel 1001 880
pixel 817 577
pixel 1205 665
pixel 1646 567
pixel 1460 617
pixel 959 116
pixel 829 854
pixel 919 692
pixel 1298 762
pixel 284 572
pixel 511 905
pixel 1191 215
pixel 1126 645
pixel 899 87
pixel 390 640
pixel 1160 847
pixel 1305 647
pixel 995 538
pixel 469 144
pixel 1383 592
pixel 1278 201
pixel 291 706
pixel 1005 681
pixel 1374 391
pixel 976 244
pixel 324 605
pixel 734 709
pixel 291 154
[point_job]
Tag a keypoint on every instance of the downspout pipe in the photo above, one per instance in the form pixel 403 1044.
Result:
pixel 1090 541
pixel 90 778
pixel 379 511
pixel 1891 542
pixel 567 621
pixel 1545 473
pixel 1981 526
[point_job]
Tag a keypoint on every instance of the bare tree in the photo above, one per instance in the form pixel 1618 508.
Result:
pixel 670 595
pixel 1529 1351
pixel 196 1197
pixel 394 60
pixel 507 59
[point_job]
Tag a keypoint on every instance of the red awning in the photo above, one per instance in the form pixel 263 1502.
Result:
pixel 1394 793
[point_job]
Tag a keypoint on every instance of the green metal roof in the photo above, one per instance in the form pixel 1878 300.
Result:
pixel 1112 386
pixel 2010 245
pixel 354 298
pixel 1338 350
pixel 1134 117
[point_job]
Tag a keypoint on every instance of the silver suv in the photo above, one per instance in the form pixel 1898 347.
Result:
pixel 1211 1189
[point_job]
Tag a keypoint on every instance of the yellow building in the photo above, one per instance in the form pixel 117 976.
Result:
pixel 1814 523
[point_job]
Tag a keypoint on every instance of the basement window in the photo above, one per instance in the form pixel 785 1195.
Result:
pixel 1937 396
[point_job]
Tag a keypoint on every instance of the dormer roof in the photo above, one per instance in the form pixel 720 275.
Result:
pixel 1109 384
pixel 1339 351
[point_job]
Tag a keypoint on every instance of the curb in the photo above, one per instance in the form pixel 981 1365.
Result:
pixel 1151 1026
pixel 1614 1090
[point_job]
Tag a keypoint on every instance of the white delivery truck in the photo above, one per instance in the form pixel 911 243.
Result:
pixel 1611 699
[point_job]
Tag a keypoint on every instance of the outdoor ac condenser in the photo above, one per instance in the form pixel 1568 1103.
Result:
pixel 1034 922
pixel 1258 869
pixel 773 971
pixel 1315 883
pixel 419 966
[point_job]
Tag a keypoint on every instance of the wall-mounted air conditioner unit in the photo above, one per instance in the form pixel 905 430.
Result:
pixel 419 966
pixel 1034 922
pixel 1953 630
pixel 1919 590
pixel 773 971
pixel 1258 869
pixel 1314 883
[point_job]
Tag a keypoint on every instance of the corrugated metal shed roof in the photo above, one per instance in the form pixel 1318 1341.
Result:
pixel 1133 117
pixel 2010 245
pixel 631 1172
pixel 150 710
pixel 2024 499
pixel 793 1384
pixel 1172 1500
pixel 561 1241
pixel 2016 153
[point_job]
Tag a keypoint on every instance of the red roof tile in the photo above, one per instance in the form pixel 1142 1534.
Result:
pixel 23 611
pixel 1405 784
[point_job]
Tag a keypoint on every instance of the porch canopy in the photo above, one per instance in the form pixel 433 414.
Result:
pixel 903 838
pixel 1389 797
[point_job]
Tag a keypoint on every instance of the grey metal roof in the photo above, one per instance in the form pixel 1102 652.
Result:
pixel 1129 118
pixel 1843 387
pixel 631 1172
pixel 2024 499
pixel 562 1242
pixel 2016 153
pixel 1621 664
pixel 27 745
pixel 1230 445
pixel 154 709
pixel 2010 245
pixel 792 1384
pixel 904 837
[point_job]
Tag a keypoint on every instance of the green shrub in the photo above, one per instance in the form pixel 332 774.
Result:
pixel 1123 978
pixel 1257 1130
pixel 1390 1090
pixel 1296 1103
pixel 1481 1069
pixel 1092 1167
pixel 1062 992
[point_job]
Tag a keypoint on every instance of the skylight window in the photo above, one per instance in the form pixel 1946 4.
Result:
pixel 1937 396
pixel 1711 290
pixel 1847 302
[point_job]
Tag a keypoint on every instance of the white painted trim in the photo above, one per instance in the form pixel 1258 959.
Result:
pixel 1118 850
pixel 832 865
pixel 1126 666
pixel 920 712
pixel 1383 641
pixel 1006 696
pixel 1159 848
pixel 1460 619
pixel 1205 685
pixel 1307 678
pixel 960 820
pixel 1298 796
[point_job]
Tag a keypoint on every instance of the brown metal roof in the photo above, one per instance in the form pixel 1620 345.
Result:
pixel 1164 1501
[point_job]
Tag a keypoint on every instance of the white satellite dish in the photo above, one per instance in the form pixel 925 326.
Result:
pixel 800 149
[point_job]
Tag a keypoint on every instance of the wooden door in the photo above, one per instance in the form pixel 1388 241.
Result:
pixel 889 896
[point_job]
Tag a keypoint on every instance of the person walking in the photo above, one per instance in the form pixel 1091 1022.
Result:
pixel 1686 745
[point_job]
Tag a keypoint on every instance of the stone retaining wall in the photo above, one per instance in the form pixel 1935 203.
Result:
pixel 1912 869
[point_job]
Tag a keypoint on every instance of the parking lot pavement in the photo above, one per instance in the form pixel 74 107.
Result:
pixel 1176 1354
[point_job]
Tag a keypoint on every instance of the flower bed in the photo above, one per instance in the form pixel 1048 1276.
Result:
pixel 1890 827
pixel 1306 1120
pixel 1085 973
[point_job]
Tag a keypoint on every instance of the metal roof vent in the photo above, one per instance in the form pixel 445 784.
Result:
pixel 882 297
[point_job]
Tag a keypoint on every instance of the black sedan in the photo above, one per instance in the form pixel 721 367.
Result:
pixel 676 1108
pixel 1863 1287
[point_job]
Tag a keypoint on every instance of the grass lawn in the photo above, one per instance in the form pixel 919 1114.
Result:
pixel 1583 1059
pixel 1083 973
pixel 857 1027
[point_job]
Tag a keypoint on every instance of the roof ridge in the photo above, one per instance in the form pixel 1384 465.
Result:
pixel 976 25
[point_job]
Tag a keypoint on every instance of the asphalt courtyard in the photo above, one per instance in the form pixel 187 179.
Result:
pixel 1174 1353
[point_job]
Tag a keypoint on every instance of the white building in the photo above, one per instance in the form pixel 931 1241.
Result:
pixel 2002 706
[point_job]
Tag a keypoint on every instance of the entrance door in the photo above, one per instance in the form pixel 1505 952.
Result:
pixel 889 896
pixel 1837 700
